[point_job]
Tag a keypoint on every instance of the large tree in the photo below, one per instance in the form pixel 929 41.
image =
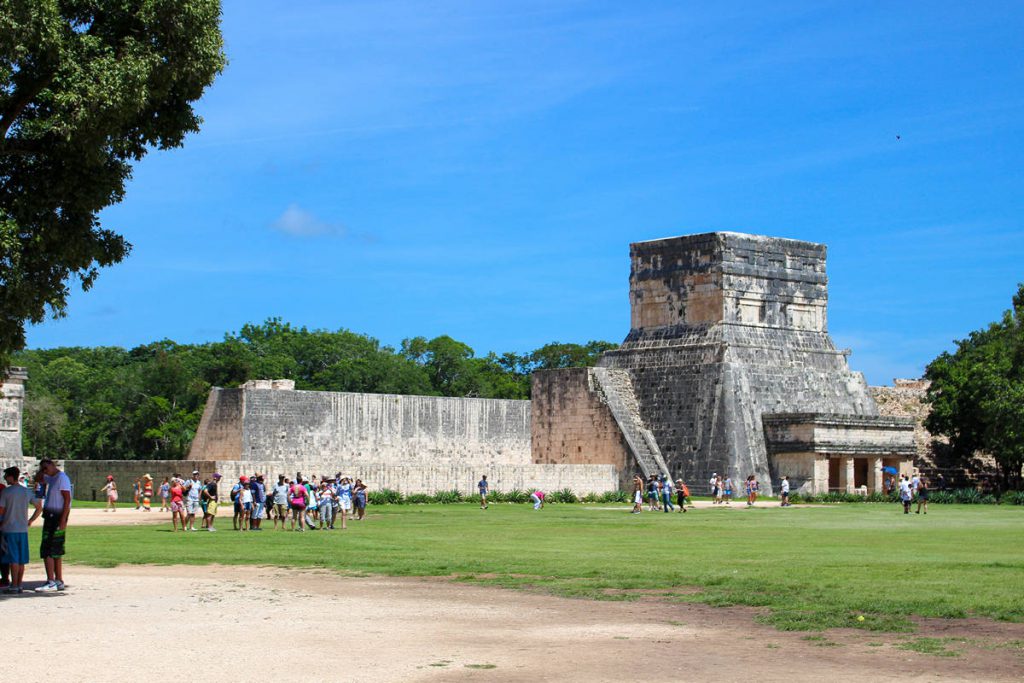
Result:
pixel 86 88
pixel 977 393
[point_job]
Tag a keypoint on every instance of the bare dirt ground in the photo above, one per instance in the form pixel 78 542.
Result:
pixel 134 622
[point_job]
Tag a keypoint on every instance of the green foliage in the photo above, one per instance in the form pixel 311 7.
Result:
pixel 962 497
pixel 86 88
pixel 385 497
pixel 515 496
pixel 418 499
pixel 977 393
pixel 1012 498
pixel 96 403
pixel 448 497
pixel 615 497
pixel 562 496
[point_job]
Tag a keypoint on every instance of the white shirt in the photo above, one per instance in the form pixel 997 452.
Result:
pixel 785 485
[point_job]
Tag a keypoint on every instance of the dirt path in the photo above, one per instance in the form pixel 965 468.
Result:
pixel 132 622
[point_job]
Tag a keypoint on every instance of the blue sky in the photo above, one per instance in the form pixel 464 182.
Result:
pixel 479 169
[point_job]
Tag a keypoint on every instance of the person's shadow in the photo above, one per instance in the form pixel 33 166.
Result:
pixel 29 591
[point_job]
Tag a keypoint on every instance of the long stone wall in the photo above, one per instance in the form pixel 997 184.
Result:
pixel 88 476
pixel 282 424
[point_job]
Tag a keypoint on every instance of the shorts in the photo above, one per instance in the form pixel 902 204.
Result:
pixel 177 506
pixel 728 492
pixel 257 510
pixel 922 495
pixel 281 509
pixel 638 497
pixel 192 506
pixel 52 544
pixel 211 508
pixel 247 506
pixel 203 504
pixel 298 507
pixel 346 504
pixel 15 547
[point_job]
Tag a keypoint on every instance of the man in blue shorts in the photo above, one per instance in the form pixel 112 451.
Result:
pixel 14 502
pixel 482 485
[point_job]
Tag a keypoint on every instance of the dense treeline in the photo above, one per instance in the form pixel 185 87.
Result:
pixel 977 393
pixel 146 402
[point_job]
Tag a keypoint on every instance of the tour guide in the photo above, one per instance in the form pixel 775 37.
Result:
pixel 56 509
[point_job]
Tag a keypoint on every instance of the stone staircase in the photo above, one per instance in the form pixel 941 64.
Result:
pixel 616 389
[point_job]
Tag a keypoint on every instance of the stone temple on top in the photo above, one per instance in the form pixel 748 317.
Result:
pixel 728 368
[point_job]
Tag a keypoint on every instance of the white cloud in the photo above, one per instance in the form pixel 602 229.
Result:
pixel 298 222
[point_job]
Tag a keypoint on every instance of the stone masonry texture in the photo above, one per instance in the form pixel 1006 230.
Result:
pixel 12 399
pixel 280 424
pixel 727 327
pixel 570 422
pixel 88 476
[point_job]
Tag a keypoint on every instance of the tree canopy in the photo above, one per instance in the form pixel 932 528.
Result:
pixel 86 88
pixel 146 402
pixel 977 393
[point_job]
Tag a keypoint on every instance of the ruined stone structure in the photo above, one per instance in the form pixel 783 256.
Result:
pixel 12 399
pixel 728 367
pixel 416 444
pixel 726 329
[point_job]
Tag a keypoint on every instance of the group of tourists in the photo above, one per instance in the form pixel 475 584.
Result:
pixel 913 488
pixel 659 490
pixel 47 494
pixel 298 504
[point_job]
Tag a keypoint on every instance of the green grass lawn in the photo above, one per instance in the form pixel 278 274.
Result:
pixel 812 568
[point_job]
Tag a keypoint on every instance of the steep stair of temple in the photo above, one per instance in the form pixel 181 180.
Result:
pixel 617 390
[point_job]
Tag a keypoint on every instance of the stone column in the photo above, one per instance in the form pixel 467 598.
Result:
pixel 820 483
pixel 875 478
pixel 846 476
pixel 12 399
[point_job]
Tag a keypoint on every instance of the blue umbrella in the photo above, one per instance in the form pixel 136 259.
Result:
pixel 890 470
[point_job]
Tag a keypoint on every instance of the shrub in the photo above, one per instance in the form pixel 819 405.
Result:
pixel 1012 498
pixel 564 496
pixel 615 497
pixel 418 499
pixel 385 497
pixel 590 498
pixel 516 496
pixel 472 498
pixel 448 497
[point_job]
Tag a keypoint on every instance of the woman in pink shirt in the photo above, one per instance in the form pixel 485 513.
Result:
pixel 297 497
pixel 177 505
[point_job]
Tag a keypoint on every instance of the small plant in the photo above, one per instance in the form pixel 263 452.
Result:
pixel 516 496
pixel 418 499
pixel 448 497
pixel 590 498
pixel 1012 498
pixel 563 496
pixel 614 497
pixel 385 497
pixel 931 646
